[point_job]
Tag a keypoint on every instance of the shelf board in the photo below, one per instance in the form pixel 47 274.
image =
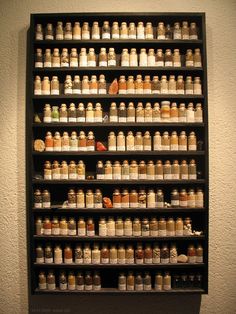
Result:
pixel 117 238
pixel 117 124
pixel 125 96
pixel 116 291
pixel 58 209
pixel 118 182
pixel 122 153
pixel 155 266
pixel 89 42
pixel 116 69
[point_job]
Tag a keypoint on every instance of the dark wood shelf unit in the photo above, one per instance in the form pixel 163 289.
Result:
pixel 35 103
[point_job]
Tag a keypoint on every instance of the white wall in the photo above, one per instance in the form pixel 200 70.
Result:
pixel 221 48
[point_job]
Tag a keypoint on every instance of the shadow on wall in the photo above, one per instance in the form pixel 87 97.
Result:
pixel 105 304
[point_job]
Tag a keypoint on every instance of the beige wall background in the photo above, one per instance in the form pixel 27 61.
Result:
pixel 221 51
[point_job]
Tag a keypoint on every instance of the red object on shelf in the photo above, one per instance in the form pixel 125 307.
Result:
pixel 100 147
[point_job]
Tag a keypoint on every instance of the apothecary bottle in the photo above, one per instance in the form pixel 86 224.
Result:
pixel 81 228
pixel 96 281
pixel 143 59
pixel 149 31
pixel 73 142
pixel 95 33
pixel 182 113
pixel 193 33
pixel 96 254
pixel 160 198
pixel 137 229
pixel 39 32
pixel 198 114
pixel 89 199
pixel 38 202
pixel 102 58
pixel 122 85
pixel 156 115
pixel 90 223
pixel 76 32
pixel 197 86
pixel 133 58
pixel 85 31
pixel 59 31
pixel 147 86
pixel 199 254
pixel 106 30
pixel 170 227
pixel 63 281
pixel 38 59
pixel 111 57
pixel 139 254
pixel 56 59
pixel 78 254
pixel 47 114
pixel 140 31
pixel 157 141
pixel 182 141
pixel 46 199
pixel 138 141
pixel 55 226
pixel 148 254
pixel 68 254
pixel 199 198
pixel 102 86
pixel 49 32
pixel 174 198
pixel 115 32
pixel 156 254
pixel 72 113
pixel 87 253
pixel 159 170
pixel 140 112
pixel 111 230
pixel 124 31
pixel 113 254
pixel 122 282
pixel 179 227
pixel 68 31
pixel 72 171
pixel 80 199
pixel 185 30
pixel 47 170
pixel 162 227
pixel 130 281
pixel 39 254
pixel 119 231
pixel 125 198
pixel 177 31
pixel 130 112
pixel 150 170
pixel 65 58
pixel 180 86
pixel 71 198
pixel 104 254
pixel 81 141
pixel 145 227
pixel 74 58
pixel 158 282
pixel 191 199
pixel 91 58
pixel 151 199
pixel 132 31
pixel 63 114
pixel 129 255
pixel 159 58
pixel 192 141
pixel 165 254
pixel 176 58
pixel 161 31
pixel 47 226
pixel 133 170
pixel 57 142
pixel 164 85
pixel 197 59
pixel 88 281
pixel 121 142
pixel 165 141
pixel 122 113
pixel 112 141
pixel 167 281
pixel 46 86
pixel 68 85
pixel 139 85
pixel 51 281
pixel 125 58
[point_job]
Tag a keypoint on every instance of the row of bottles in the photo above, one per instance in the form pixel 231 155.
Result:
pixel 113 254
pixel 177 31
pixel 163 112
pixel 69 281
pixel 140 86
pixel 139 142
pixel 122 171
pixel 127 59
pixel 124 199
pixel 115 227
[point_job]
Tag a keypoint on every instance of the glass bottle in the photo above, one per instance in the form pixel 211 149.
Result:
pixel 80 200
pixel 80 113
pixel 85 31
pixel 174 198
pixel 111 227
pixel 81 225
pixel 159 170
pixel 123 31
pixel 174 114
pixel 138 141
pixel 189 58
pixel 157 141
pixel 165 141
pixel 180 85
pixel 39 32
pixel 179 227
pixel 104 254
pixel 162 227
pixel 68 31
pixel 170 227
pixel 106 30
pixel 115 32
pixel 112 141
pixel 95 254
pixel 76 85
pixel 111 57
pixel 102 58
pixel 74 58
pixel 145 227
pixel 148 254
pixel 132 31
pixel 185 30
pixel 139 85
pixel 125 199
pixel 176 58
pixel 88 281
pixel 140 112
pixel 177 31
pixel 125 58
pixel 113 254
pixel 137 227
pixel 175 170
pixel 143 58
pixel 68 85
pixel 91 58
pixel 158 282
pixel 151 199
pixel 89 199
pixel 130 281
pixel 129 255
pixel 142 198
pixel 78 254
pixel 192 141
pixel 197 59
pixel 119 231
pixel 49 32
pixel 133 170
pixel 76 32
pixel 122 282
pixel 95 34
pixel 51 282
pixel 122 85
pixel 193 33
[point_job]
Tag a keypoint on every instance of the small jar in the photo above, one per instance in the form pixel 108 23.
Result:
pixel 140 112
pixel 151 199
pixel 102 58
pixel 188 86
pixel 130 113
pixel 38 59
pixel 116 171
pixel 81 225
pixel 140 31
pixel 87 253
pixel 91 58
pixel 106 30
pixel 63 114
pixel 165 254
pixel 125 58
pixel 148 254
pixel 93 85
pixel 96 281
pixel 63 224
pixel 125 170
pixel 122 282
pixel 111 57
pixel 74 142
pixel 111 230
pixel 145 227
pixel 122 85
pixel 133 58
pixel 158 282
pixel 124 31
pixel 58 255
pixel 65 58
pixel 125 199
pixel 167 281
pixel 46 199
pixel 130 281
pixel 108 170
pixel 89 113
pixel 68 85
pixel 68 255
pixel 185 30
pixel 168 58
pixel 157 141
pixel 46 86
pixel 199 254
pixel 159 58
pixel 78 254
pixel 167 170
pixel 63 281
pixel 175 170
pixel 191 254
pixel 161 31
pixel 47 226
pixel 192 170
pixel 68 32
pixel 177 31
pixel 142 170
pixel 176 58
pixel 90 141
pixel 149 31
pixel 180 85
pixel 116 199
pixel 111 142
pixel 183 198
pixel 156 254
pixel 162 227
pixel 119 231
pixel 192 141
pixel 165 141
pixel 189 58
pixel 199 199
pixel 156 115
pixel 121 142
pixel 47 170
pixel 132 31
pixel 160 199
pixel 175 198
pixel 182 141
pixel 133 170
pixel 138 142
pixel 90 223
pixel 113 254
pixel 193 33
pixel 197 59
pixel 47 114
pixel 95 34
pixel 80 113
pixel 89 199
pixel 130 85
pixel 174 113
pixel 74 58
pixel 139 85
pixel 170 227
pixel 102 227
pixel 179 227
pixel 113 116
pixel 150 170
pixel 38 202
pixel 191 199
pixel 76 32
pixel 198 114
pixel 128 227
pixel 154 227
pixel 147 86
pixel 71 198
pixel 137 229
pixel 143 58
pixel 80 200
pixel 88 282
pixel 104 254
pixel 172 85
pixel 129 255
pixel 95 254
pixel 133 198
pixel 115 32
pixel 85 31
pixel 49 32
pixel 164 85
pixel 39 34
pixel 182 113
pixel 139 254
pixel 122 113
pixel 51 281
pixel 159 170
pixel 56 172
pixel 197 86
pixel 98 199
pixel 49 142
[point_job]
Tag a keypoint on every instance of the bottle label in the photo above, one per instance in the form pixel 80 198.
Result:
pixel 115 36
pixel 92 232
pixel 149 36
pixel 65 148
pixel 189 91
pixel 100 177
pixel 71 287
pixel 63 119
pixel 156 260
pixel 175 176
pixel 38 64
pixel 97 119
pixel 93 91
pixel 47 177
pixel 106 36
pixel 47 119
pixel 117 205
pixel 111 62
pixel 132 36
pixel 41 260
pixel 57 148
pixel 49 260
pixel 64 231
pixel 119 232
pixel 133 63
pixel 72 119
pixel 125 63
pixel 139 287
pixel 159 63
pixel 158 287
pixel 192 177
pixel 105 260
pixel 58 260
pixel 102 231
pixel 80 287
pixel 103 63
pixel 111 232
pixel 89 119
pixel 183 203
pixel 172 91
pixel 133 205
pixel 199 259
pixel 90 148
pixel 130 261
pixel 45 92
pixel 46 204
pixel 147 91
pixel 71 232
pixel 138 147
pixel 74 64
pixel 37 92
pixel 120 148
pixel 47 64
pixel 123 36
pixel 174 119
pixel 162 233
pixel 147 147
pixel 165 260
pixel 140 35
pixel 142 205
pixel 63 286
pixel 124 205
pixel 157 147
pixel 177 64
pixel 179 233
pixel 168 63
pixel 130 288
pixel 198 64
pixel 174 202
pixel 128 232
pixel 137 233
pixel 197 91
pixel 42 286
pixel 80 119
pixel 68 91
pixel 111 148
pixel 185 36
pixel 139 261
pixel 148 260
pixel 56 65
pixel 88 287
pixel 147 287
pixel 116 177
pixel 122 287
pixel 151 205
pixel 108 176
pixel 192 147
pixel 64 64
pixel 122 91
pixel 95 36
pixel 91 63
pixel 113 261
pixel 180 91
pixel 96 261
pixel 170 233
pixel 133 176
pixel 124 177
pixel 39 36
pixel 97 287
pixel 177 35
pixel 122 119
pixel 130 147
pixel 189 63
pixel 81 232
pixel 85 91
pixel 167 287
pixel 102 91
pixel 182 147
pixel 192 259
pixel 142 176
pixel 193 37
pixel 159 176
pixel 160 204
pixel 130 119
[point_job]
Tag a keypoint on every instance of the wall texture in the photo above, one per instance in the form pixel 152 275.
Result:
pixel 221 48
